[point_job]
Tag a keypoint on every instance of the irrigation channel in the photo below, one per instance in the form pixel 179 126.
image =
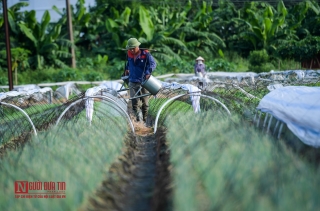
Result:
pixel 140 180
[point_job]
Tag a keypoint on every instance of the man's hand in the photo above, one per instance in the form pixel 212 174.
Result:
pixel 127 72
pixel 147 77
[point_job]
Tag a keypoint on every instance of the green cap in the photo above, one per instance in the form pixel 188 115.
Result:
pixel 132 43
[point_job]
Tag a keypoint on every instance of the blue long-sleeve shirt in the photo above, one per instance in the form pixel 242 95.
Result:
pixel 144 62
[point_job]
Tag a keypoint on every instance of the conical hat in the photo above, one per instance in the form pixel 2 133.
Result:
pixel 200 58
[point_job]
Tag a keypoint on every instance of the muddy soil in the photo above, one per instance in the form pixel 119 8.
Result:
pixel 140 179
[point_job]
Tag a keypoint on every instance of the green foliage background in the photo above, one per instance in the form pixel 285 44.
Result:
pixel 179 31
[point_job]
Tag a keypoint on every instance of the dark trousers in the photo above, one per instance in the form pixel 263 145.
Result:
pixel 134 88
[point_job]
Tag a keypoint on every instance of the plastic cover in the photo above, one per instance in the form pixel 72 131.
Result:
pixel 299 108
pixel 195 91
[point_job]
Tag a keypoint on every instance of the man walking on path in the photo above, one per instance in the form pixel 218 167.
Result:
pixel 139 67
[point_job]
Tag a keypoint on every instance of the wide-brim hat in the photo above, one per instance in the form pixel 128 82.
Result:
pixel 199 58
pixel 132 43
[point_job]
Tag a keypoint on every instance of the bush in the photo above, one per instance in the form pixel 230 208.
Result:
pixel 93 76
pixel 178 66
pixel 257 58
pixel 85 62
pixel 67 74
pixel 258 61
pixel 115 69
pixel 36 76
pixel 221 65
pixel 3 80
pixel 262 68
pixel 241 64
pixel 300 50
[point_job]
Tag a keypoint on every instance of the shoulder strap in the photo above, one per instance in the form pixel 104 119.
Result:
pixel 148 56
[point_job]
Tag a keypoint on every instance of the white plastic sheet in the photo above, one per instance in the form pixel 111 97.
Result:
pixel 272 87
pixel 299 108
pixel 25 92
pixel 195 91
pixel 102 90
pixel 25 87
pixel 67 90
pixel 238 76
pixel 89 103
pixel 114 86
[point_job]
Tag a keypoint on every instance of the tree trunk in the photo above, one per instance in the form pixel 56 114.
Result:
pixel 318 63
pixel 7 38
pixel 70 30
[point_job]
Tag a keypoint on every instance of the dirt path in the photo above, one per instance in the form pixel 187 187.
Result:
pixel 139 194
pixel 140 180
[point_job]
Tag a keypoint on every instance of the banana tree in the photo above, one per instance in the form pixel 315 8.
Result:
pixel 165 36
pixel 224 25
pixel 117 25
pixel 19 58
pixel 14 15
pixel 43 41
pixel 152 31
pixel 262 25
pixel 204 16
pixel 40 39
pixel 305 18
pixel 199 38
pixel 87 27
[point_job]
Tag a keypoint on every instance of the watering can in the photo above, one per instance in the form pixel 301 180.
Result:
pixel 152 85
